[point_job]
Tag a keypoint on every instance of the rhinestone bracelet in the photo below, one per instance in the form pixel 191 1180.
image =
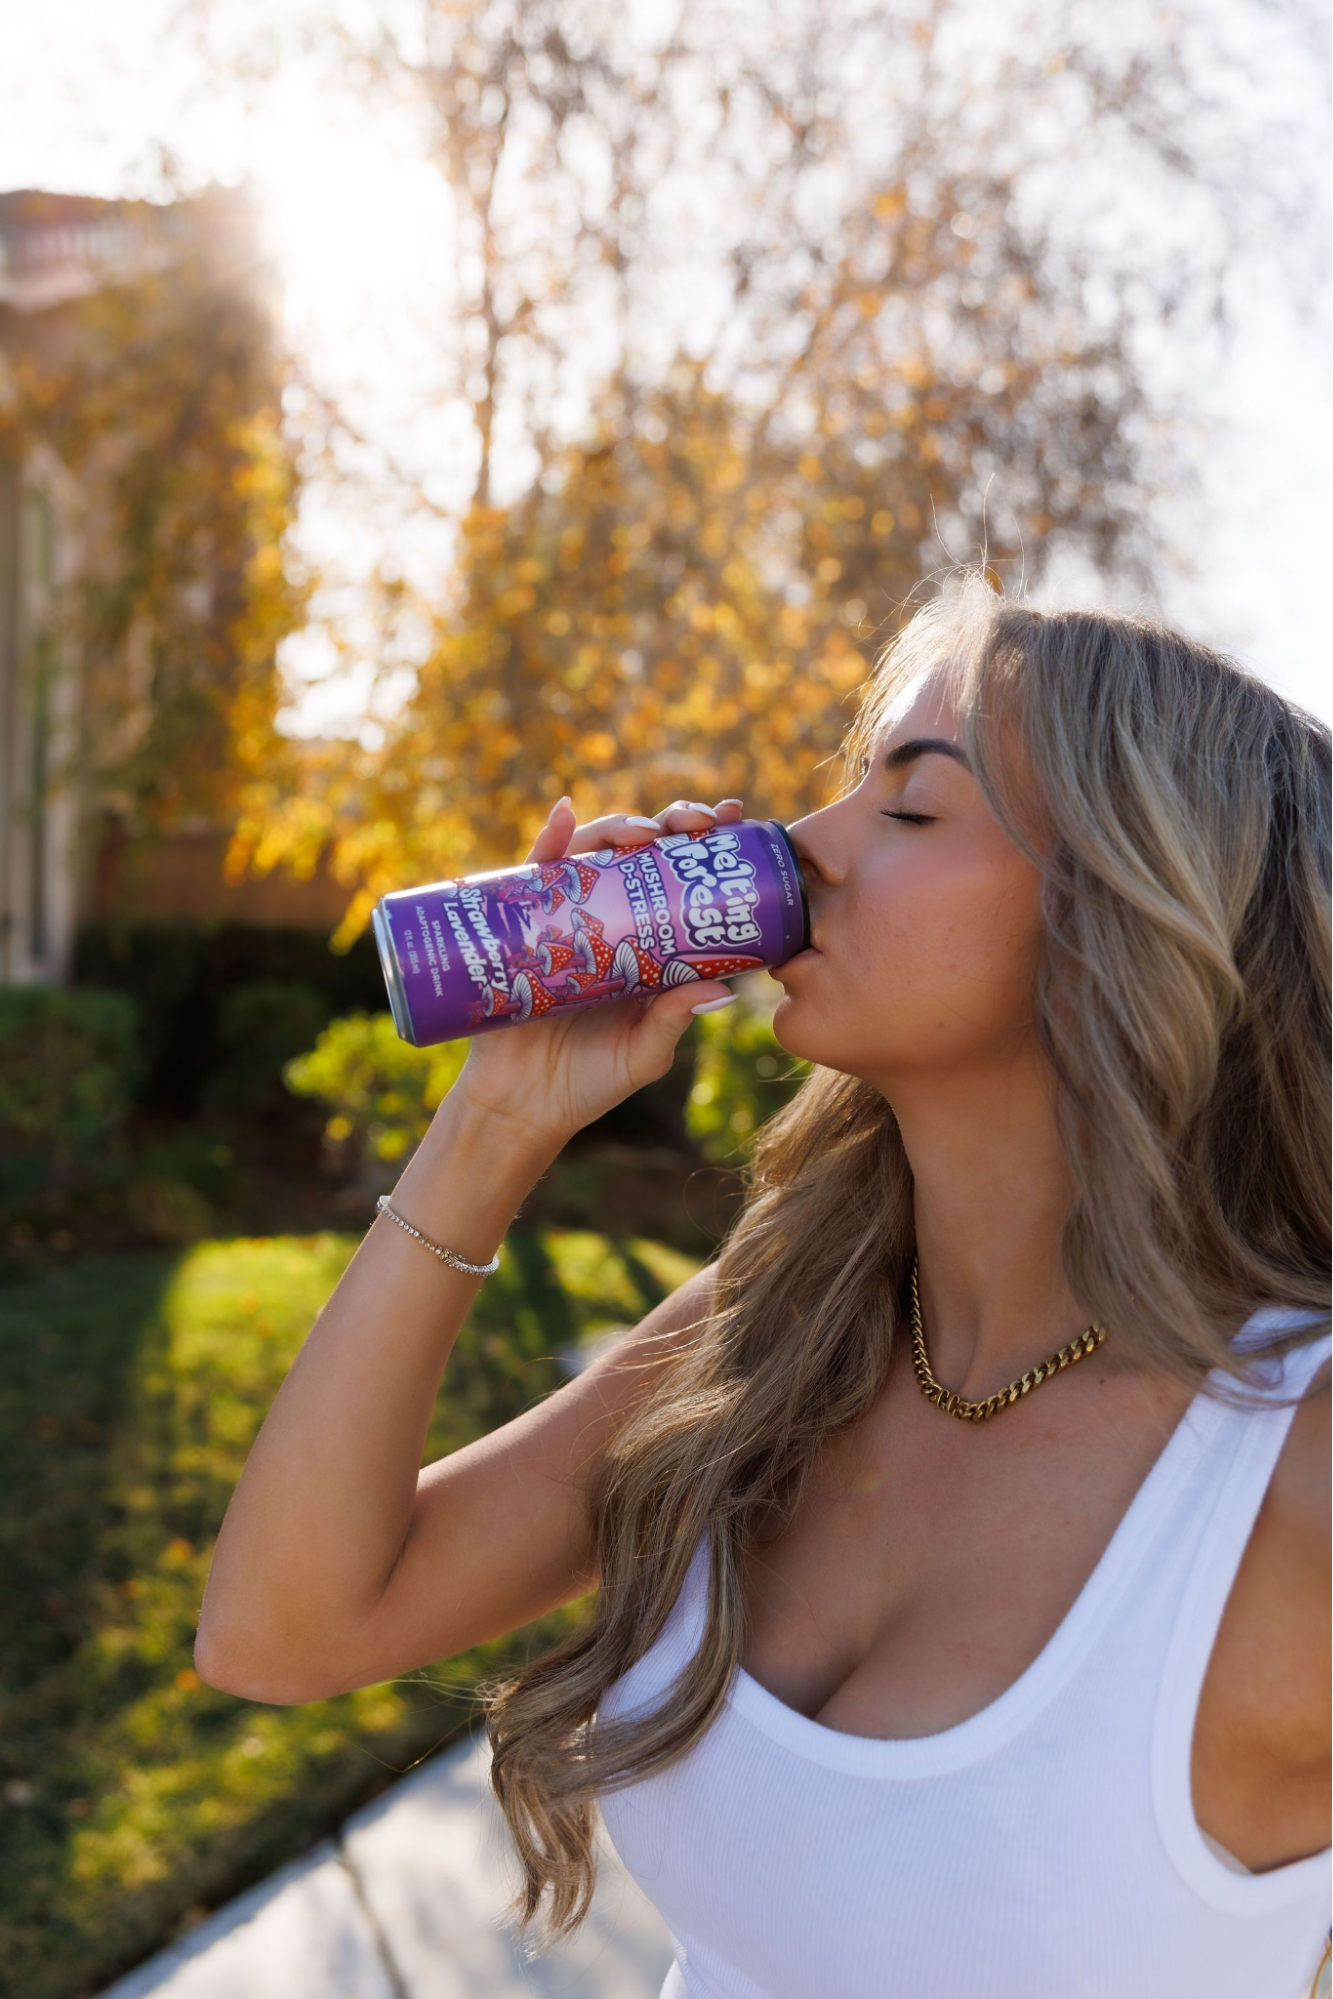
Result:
pixel 449 1256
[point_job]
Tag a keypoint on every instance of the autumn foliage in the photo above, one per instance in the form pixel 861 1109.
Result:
pixel 830 331
pixel 159 389
pixel 687 589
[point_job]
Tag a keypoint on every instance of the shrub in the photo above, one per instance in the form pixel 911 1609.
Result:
pixel 742 1073
pixel 180 973
pixel 69 1061
pixel 261 1026
pixel 381 1090
pixel 178 1186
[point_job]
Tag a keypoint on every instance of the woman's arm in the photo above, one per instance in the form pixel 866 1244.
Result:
pixel 323 1506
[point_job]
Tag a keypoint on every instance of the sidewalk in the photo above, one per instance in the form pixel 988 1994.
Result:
pixel 402 1903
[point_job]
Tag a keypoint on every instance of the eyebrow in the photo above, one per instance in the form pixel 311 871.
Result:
pixel 922 746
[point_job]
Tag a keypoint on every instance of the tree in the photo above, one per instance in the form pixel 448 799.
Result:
pixel 901 349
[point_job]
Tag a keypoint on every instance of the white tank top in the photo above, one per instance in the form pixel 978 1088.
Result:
pixel 1046 1848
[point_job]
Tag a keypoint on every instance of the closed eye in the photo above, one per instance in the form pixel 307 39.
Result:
pixel 913 818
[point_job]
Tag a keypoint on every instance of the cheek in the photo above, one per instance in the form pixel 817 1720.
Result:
pixel 953 929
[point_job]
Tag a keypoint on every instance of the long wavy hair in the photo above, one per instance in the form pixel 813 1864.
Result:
pixel 1178 809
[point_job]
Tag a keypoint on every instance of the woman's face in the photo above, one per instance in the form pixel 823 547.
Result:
pixel 927 926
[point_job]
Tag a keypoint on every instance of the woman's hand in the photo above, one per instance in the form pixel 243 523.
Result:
pixel 558 1074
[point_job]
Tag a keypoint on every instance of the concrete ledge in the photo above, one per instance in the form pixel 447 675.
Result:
pixel 404 1903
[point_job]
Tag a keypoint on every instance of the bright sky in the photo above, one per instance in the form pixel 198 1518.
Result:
pixel 360 232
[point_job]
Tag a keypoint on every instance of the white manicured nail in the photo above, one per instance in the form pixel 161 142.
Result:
pixel 711 1006
pixel 729 801
pixel 643 822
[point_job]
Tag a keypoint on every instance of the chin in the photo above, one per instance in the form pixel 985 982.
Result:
pixel 802 1028
pixel 779 1025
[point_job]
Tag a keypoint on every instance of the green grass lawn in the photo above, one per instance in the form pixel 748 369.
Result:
pixel 133 1798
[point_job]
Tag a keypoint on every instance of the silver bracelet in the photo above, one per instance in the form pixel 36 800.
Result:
pixel 450 1256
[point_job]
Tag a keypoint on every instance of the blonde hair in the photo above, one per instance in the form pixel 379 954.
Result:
pixel 1178 809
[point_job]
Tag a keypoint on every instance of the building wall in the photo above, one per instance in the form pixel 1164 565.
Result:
pixel 181 875
pixel 39 696
pixel 64 855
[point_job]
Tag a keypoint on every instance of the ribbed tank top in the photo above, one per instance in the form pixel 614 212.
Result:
pixel 1045 1848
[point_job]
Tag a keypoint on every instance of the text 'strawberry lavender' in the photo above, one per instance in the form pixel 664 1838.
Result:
pixel 494 950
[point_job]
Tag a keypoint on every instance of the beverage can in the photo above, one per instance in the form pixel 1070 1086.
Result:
pixel 483 951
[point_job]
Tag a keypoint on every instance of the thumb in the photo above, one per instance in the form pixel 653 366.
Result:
pixel 704 1001
pixel 669 1013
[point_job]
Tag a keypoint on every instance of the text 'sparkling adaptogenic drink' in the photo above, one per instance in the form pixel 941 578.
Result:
pixel 494 950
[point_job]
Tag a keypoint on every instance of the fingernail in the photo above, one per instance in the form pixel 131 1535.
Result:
pixel 730 801
pixel 711 1006
pixel 566 800
pixel 643 822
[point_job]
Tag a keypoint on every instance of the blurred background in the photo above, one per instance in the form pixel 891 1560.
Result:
pixel 411 410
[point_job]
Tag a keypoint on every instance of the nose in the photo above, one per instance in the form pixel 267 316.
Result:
pixel 816 852
pixel 815 849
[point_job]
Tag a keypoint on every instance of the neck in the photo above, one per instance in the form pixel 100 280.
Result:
pixel 991 1190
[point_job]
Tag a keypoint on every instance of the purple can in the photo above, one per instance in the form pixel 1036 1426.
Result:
pixel 493 950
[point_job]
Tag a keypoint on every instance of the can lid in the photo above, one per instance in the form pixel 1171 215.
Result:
pixel 800 881
pixel 393 973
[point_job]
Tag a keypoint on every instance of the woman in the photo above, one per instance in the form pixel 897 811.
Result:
pixel 961 1532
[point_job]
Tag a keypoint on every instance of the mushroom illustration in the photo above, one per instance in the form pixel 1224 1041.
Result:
pixel 644 973
pixel 718 965
pixel 639 969
pixel 572 879
pixel 585 875
pixel 554 953
pixel 530 891
pixel 533 998
pixel 490 1004
pixel 592 954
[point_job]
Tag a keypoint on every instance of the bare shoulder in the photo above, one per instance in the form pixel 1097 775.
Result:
pixel 1262 1740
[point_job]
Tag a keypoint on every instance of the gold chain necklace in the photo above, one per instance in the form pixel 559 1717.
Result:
pixel 977 1412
